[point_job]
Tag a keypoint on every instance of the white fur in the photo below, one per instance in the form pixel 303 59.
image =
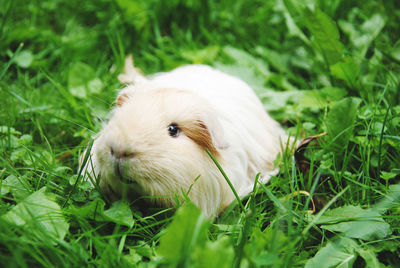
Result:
pixel 246 138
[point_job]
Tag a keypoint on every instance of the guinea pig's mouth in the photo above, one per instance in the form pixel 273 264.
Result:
pixel 120 173
pixel 128 181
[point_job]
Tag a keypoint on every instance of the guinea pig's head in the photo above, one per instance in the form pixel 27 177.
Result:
pixel 155 143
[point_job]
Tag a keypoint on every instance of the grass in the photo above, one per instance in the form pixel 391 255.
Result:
pixel 324 66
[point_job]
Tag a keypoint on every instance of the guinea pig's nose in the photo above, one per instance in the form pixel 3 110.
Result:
pixel 123 154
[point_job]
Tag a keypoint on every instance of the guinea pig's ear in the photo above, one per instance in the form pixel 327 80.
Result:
pixel 124 95
pixel 121 99
pixel 217 133
pixel 208 136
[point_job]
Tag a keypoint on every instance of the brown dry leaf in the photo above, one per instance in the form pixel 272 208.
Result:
pixel 301 160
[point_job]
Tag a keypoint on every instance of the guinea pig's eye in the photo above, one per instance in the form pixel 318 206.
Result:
pixel 173 130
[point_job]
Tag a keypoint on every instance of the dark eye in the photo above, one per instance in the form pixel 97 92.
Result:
pixel 173 130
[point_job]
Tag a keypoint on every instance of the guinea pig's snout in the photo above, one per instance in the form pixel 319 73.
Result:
pixel 120 159
pixel 119 168
pixel 123 154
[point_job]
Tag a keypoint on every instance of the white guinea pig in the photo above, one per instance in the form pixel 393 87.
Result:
pixel 154 144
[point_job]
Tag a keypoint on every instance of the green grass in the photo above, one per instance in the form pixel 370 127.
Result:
pixel 326 66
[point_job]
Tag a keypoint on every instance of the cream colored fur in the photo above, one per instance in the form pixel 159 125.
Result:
pixel 245 139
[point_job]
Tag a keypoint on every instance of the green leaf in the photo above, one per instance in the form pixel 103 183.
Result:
pixel 355 222
pixel 395 53
pixel 325 33
pixel 216 254
pixel 24 59
pixel 320 98
pixel 95 85
pixel 187 231
pixel 9 130
pixel 4 188
pixel 78 91
pixel 25 140
pixel 200 56
pixel 82 80
pixel 93 211
pixel 265 246
pixel 278 60
pixel 369 257
pixel 362 37
pixel 347 70
pixel 135 12
pixel 340 253
pixel 120 213
pixel 15 185
pixel 252 70
pixel 388 175
pixel 292 9
pixel 133 257
pixel 273 100
pixel 265 259
pixel 392 199
pixel 340 123
pixel 41 214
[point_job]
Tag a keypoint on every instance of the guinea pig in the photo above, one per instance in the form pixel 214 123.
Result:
pixel 155 142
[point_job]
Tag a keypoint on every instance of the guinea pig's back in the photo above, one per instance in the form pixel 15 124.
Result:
pixel 204 80
pixel 227 94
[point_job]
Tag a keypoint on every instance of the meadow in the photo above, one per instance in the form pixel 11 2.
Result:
pixel 328 71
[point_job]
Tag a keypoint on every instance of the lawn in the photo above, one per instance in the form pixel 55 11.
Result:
pixel 328 71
